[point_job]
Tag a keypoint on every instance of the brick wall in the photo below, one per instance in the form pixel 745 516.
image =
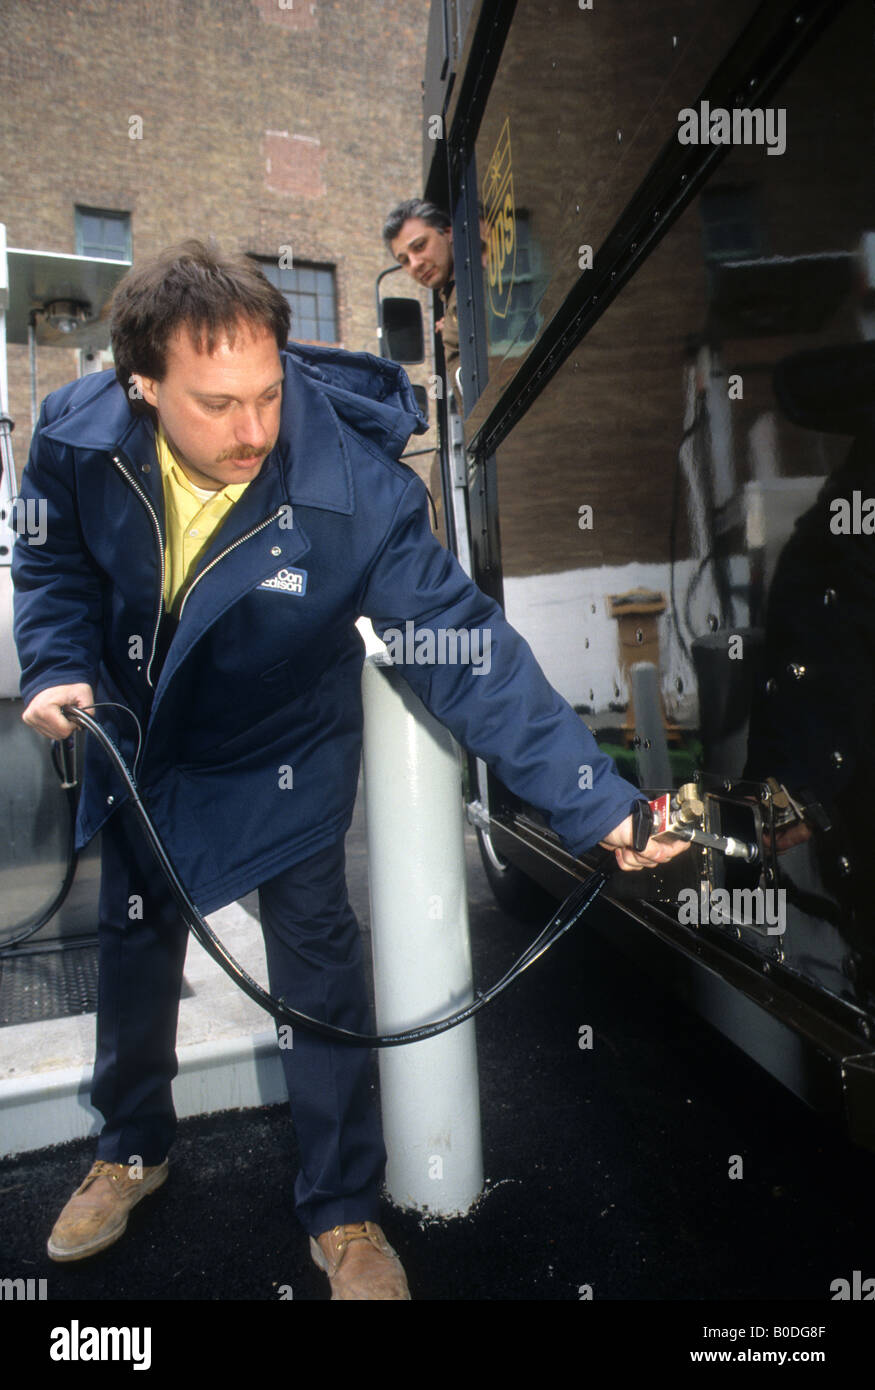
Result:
pixel 262 123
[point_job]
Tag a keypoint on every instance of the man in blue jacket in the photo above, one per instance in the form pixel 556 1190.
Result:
pixel 216 516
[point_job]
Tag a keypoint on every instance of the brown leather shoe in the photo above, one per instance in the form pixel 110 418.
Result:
pixel 97 1213
pixel 360 1263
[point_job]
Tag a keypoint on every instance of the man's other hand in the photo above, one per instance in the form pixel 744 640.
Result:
pixel 44 711
pixel 655 851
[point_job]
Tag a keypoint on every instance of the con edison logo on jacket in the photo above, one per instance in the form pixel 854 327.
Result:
pixel 287 582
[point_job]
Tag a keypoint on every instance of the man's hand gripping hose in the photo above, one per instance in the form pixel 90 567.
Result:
pixel 570 912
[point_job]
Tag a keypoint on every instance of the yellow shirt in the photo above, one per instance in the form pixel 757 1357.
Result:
pixel 192 514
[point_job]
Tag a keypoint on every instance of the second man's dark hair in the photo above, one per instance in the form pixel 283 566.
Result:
pixel 429 213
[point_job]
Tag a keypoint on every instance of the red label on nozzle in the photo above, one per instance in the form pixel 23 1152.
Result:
pixel 661 809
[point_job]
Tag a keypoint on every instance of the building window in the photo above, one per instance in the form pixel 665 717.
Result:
pixel 102 234
pixel 310 291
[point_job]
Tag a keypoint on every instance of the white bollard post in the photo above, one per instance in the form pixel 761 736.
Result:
pixel 421 948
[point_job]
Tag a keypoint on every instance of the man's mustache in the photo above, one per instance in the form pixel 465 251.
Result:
pixel 240 454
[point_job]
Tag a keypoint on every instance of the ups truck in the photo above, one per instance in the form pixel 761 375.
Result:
pixel 658 457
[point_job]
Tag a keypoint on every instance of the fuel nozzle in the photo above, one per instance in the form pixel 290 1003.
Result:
pixel 689 807
pixel 681 814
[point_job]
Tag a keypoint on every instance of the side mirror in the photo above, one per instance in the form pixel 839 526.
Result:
pixel 403 339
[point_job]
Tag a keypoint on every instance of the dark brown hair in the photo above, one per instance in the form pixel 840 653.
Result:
pixel 194 285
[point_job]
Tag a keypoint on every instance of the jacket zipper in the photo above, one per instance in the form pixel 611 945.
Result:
pixel 120 465
pixel 233 546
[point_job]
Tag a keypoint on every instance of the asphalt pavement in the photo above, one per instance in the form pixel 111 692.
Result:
pixel 607 1174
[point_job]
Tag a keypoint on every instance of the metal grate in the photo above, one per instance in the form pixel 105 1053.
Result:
pixel 51 984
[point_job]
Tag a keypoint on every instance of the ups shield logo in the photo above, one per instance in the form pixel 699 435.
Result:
pixel 498 209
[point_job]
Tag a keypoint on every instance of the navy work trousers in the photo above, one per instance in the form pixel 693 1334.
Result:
pixel 314 959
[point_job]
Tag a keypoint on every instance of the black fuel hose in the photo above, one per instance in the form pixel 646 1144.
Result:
pixel 571 910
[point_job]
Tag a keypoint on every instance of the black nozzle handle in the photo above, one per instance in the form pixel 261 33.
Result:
pixel 642 825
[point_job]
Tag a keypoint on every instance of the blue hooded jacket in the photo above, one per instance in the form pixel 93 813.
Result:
pixel 252 726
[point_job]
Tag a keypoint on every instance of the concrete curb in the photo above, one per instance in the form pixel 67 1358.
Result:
pixel 226 1074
